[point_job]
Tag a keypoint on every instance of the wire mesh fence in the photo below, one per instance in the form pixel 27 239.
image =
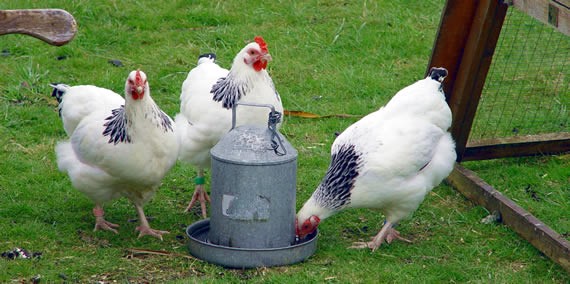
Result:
pixel 527 90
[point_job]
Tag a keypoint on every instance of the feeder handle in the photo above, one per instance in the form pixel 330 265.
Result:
pixel 274 118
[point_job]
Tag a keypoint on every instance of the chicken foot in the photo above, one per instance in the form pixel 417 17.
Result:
pixel 101 223
pixel 200 195
pixel 144 228
pixel 387 233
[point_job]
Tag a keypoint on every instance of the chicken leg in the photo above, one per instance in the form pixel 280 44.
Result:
pixel 200 194
pixel 387 233
pixel 144 228
pixel 100 222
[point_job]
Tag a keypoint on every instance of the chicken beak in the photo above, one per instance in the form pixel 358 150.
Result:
pixel 266 57
pixel 139 90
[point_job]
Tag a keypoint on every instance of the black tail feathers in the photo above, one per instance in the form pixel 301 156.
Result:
pixel 57 93
pixel 438 73
pixel 210 56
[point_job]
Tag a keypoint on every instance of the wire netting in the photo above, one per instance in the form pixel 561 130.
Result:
pixel 527 87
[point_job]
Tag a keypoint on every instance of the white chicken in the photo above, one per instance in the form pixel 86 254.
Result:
pixel 77 102
pixel 125 151
pixel 389 160
pixel 208 95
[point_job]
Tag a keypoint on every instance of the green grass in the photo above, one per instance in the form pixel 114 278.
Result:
pixel 544 191
pixel 329 57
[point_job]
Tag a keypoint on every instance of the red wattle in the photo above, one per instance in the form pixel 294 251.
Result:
pixel 259 64
pixel 136 95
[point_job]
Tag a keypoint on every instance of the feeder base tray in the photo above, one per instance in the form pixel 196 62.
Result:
pixel 243 257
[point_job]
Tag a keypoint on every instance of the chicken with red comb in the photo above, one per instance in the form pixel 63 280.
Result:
pixel 208 95
pixel 120 150
pixel 388 160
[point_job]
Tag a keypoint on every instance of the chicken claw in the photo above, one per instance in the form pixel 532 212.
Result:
pixel 387 233
pixel 148 231
pixel 101 223
pixel 395 235
pixel 200 195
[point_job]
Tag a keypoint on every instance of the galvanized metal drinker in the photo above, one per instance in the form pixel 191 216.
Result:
pixel 252 221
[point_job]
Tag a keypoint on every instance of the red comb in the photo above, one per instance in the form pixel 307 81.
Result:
pixel 261 43
pixel 138 78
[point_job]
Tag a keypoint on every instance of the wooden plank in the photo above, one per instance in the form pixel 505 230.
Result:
pixel 451 38
pixel 519 220
pixel 518 146
pixel 475 62
pixel 54 26
pixel 465 44
pixel 555 13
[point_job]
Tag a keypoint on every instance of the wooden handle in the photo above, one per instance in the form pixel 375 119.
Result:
pixel 54 26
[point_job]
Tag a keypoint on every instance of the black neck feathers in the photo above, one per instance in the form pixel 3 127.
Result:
pixel 334 190
pixel 116 127
pixel 228 91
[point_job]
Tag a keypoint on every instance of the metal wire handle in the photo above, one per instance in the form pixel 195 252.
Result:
pixel 272 121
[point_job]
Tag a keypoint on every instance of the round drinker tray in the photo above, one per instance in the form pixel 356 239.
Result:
pixel 233 257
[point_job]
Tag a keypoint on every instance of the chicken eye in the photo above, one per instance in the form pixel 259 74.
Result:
pixel 252 52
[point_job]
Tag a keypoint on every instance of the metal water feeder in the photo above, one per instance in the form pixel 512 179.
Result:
pixel 252 221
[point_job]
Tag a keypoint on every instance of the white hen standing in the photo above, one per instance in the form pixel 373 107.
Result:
pixel 389 160
pixel 124 151
pixel 77 102
pixel 208 95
